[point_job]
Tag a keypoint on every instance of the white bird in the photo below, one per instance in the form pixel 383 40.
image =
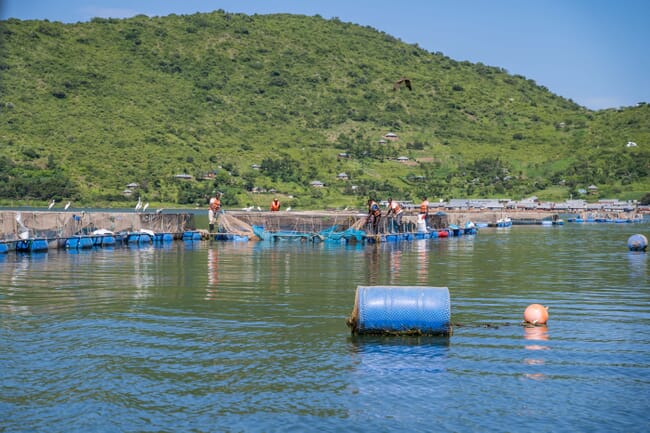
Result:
pixel 289 208
pixel 259 209
pixel 67 205
pixel 24 231
pixel 247 209
pixel 138 204
pixel 146 205
pixel 159 211
pixel 51 204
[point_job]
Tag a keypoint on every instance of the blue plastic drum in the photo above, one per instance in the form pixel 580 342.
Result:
pixel 418 310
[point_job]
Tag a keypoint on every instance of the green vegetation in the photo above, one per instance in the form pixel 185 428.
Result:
pixel 246 103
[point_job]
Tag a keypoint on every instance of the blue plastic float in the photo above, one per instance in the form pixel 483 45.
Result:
pixel 637 243
pixel 31 245
pixel 400 310
pixel 192 236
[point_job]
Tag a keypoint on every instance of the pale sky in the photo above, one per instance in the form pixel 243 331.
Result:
pixel 594 52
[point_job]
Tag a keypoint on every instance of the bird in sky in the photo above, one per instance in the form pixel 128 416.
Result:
pixel 67 205
pixel 405 81
pixel 51 205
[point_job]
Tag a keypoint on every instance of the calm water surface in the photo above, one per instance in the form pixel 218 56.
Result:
pixel 216 336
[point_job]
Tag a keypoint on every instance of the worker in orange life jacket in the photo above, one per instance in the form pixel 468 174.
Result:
pixel 213 210
pixel 275 205
pixel 395 209
pixel 424 208
pixel 374 215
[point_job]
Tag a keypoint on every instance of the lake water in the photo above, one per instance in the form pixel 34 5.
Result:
pixel 218 336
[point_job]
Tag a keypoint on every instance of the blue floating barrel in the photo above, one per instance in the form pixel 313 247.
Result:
pixel 4 248
pixel 637 243
pixel 108 240
pixel 191 236
pixel 417 310
pixel 32 245
pixel 164 237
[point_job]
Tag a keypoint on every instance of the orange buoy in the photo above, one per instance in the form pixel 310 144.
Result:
pixel 536 314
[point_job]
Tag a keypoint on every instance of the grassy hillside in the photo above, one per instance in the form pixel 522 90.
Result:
pixel 87 108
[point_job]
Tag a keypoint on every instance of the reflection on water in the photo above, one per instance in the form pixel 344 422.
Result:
pixel 248 336
pixel 535 334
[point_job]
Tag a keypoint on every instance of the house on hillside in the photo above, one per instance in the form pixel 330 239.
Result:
pixel 391 136
pixel 316 184
pixel 342 176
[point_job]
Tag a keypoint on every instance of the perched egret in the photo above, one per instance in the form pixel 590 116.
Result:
pixel 259 209
pixel 67 205
pixel 146 205
pixel 159 211
pixel 289 208
pixel 51 204
pixel 138 205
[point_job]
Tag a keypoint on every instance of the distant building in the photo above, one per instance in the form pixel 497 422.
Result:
pixel 316 184
pixel 342 176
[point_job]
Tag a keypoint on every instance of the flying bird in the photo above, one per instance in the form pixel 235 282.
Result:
pixel 405 81
pixel 67 205
pixel 51 204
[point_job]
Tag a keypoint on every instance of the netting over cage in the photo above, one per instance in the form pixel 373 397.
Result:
pixel 305 222
pixel 230 224
pixel 65 224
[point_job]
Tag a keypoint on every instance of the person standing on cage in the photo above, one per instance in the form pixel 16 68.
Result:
pixel 213 210
pixel 374 215
pixel 396 211
pixel 424 208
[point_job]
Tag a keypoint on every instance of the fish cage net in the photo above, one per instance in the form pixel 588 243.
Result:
pixel 230 224
pixel 21 224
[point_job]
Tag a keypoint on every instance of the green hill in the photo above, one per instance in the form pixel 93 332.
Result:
pixel 274 102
